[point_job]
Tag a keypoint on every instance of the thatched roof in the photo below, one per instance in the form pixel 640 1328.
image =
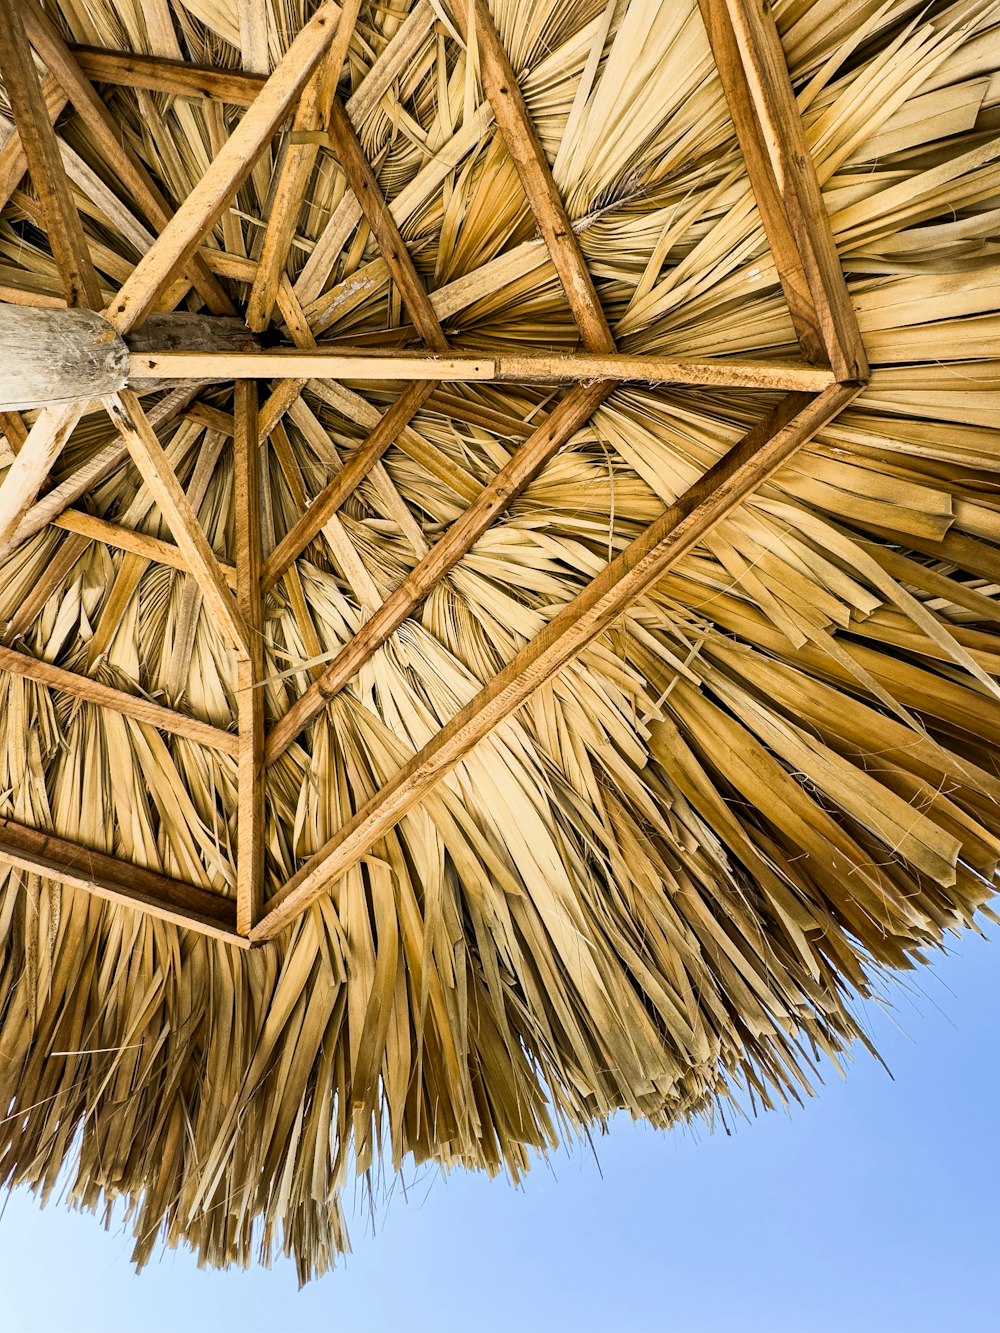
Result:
pixel 607 700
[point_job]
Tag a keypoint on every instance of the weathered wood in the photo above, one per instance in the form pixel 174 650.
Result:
pixel 57 356
pixel 562 423
pixel 120 161
pixel 118 701
pixel 149 457
pixel 230 168
pixel 519 134
pixel 705 504
pixel 250 668
pixel 502 367
pixel 45 164
pixel 751 65
pixel 346 481
pixel 125 69
pixel 120 882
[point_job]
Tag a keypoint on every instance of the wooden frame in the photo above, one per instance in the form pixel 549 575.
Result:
pixel 749 58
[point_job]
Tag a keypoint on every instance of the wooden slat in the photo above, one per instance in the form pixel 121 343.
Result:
pixel 125 69
pixel 120 162
pixel 519 134
pixel 151 460
pixel 118 701
pixel 253 35
pixel 250 669
pixel 751 65
pixel 117 881
pixel 346 481
pixel 45 164
pixel 295 173
pixel 127 539
pixel 362 181
pixel 705 504
pixel 486 366
pixel 562 423
pixel 230 168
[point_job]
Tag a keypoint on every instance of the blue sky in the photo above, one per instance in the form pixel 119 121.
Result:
pixel 874 1207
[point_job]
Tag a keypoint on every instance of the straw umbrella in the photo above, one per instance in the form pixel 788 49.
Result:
pixel 498 570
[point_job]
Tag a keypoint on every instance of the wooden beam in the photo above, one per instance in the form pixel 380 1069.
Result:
pixel 253 34
pixel 105 460
pixel 346 481
pixel 705 504
pixel 500 367
pixel 149 457
pixel 50 356
pixel 519 134
pixel 295 172
pixel 45 164
pixel 751 64
pixel 13 162
pixel 159 74
pixel 250 668
pixel 128 539
pixel 119 882
pixel 561 424
pixel 23 479
pixel 230 168
pixel 363 183
pixel 120 162
pixel 118 701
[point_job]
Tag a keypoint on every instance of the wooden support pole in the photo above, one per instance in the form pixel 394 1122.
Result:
pixel 57 356
pixel 151 460
pixel 45 164
pixel 562 423
pixel 230 168
pixel 751 65
pixel 118 701
pixel 705 504
pixel 119 882
pixel 500 367
pixel 250 668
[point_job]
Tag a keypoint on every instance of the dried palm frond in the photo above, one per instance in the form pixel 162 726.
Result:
pixel 667 881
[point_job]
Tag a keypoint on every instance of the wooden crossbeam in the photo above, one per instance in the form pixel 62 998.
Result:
pixel 295 172
pixel 751 64
pixel 13 161
pixel 118 881
pixel 250 669
pixel 515 124
pixel 562 423
pixel 150 458
pixel 500 367
pixel 128 539
pixel 227 172
pixel 118 701
pixel 160 74
pixel 120 161
pixel 45 164
pixel 705 504
pixel 23 479
pixel 345 482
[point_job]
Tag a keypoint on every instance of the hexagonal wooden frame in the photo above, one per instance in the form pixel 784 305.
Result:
pixel 751 65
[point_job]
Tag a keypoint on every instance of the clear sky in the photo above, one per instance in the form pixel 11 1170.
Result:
pixel 874 1207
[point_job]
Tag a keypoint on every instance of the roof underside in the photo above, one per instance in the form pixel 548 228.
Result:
pixel 491 582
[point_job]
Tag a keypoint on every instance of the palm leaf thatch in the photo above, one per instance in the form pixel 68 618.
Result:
pixel 664 878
